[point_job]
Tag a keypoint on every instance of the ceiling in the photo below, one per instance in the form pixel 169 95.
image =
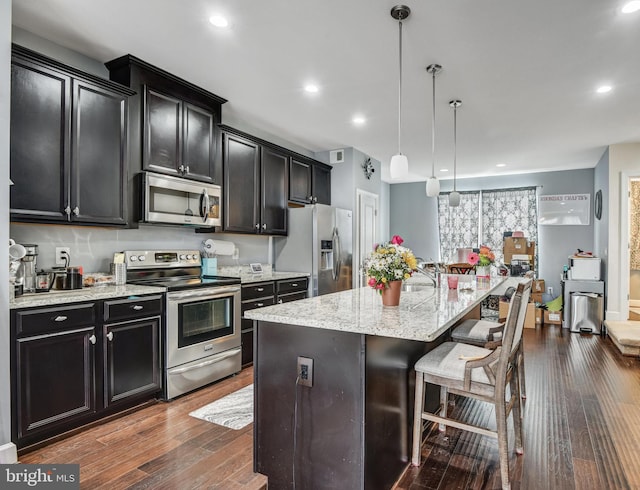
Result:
pixel 525 71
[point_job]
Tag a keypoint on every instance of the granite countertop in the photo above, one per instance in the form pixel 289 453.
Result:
pixel 422 315
pixel 247 277
pixel 55 297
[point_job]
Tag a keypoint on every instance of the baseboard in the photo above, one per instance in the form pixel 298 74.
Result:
pixel 634 303
pixel 8 453
pixel 615 315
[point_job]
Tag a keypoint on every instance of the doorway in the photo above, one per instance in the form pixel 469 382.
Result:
pixel 367 231
pixel 634 248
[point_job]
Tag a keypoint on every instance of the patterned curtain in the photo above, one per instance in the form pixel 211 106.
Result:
pixel 634 231
pixel 509 210
pixel 458 226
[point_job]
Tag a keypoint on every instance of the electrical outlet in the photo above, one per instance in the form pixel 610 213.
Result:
pixel 550 291
pixel 60 255
pixel 305 371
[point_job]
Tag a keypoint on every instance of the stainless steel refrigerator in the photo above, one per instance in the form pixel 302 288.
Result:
pixel 319 243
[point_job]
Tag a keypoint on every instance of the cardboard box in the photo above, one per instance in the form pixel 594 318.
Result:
pixel 518 246
pixel 529 319
pixel 537 286
pixel 552 317
pixel 536 297
pixel 540 316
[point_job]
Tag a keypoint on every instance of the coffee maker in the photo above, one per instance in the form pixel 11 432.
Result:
pixel 29 268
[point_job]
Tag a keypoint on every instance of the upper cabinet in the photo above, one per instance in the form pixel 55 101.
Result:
pixel 309 181
pixel 68 143
pixel 173 122
pixel 255 186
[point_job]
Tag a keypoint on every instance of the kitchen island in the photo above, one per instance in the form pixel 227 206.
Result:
pixel 352 428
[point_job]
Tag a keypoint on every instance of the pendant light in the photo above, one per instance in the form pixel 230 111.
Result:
pixel 433 184
pixel 399 166
pixel 454 197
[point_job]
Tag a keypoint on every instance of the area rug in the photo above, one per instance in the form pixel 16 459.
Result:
pixel 234 410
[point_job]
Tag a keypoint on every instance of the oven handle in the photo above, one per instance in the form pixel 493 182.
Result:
pixel 202 294
pixel 218 358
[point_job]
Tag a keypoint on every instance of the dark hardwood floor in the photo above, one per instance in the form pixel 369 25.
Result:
pixel 162 447
pixel 581 424
pixel 581 419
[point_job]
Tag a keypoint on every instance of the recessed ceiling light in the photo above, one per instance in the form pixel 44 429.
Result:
pixel 501 164
pixel 311 88
pixel 219 21
pixel 359 120
pixel 604 89
pixel 444 170
pixel 630 7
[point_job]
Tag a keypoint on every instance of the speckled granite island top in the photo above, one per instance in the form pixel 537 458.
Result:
pixel 268 274
pixel 85 294
pixel 422 315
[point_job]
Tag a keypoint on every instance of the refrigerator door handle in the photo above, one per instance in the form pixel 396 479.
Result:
pixel 336 254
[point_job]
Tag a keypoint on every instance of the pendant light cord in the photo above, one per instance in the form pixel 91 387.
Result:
pixel 433 129
pixel 400 86
pixel 455 143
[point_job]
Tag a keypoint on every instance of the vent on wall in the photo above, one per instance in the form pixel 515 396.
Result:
pixel 336 156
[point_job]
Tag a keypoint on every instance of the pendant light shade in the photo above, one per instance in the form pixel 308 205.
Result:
pixel 399 166
pixel 454 197
pixel 433 184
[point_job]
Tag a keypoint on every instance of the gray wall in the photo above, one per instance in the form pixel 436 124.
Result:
pixel 414 216
pixel 5 83
pixel 601 227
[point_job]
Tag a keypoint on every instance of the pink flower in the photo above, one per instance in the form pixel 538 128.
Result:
pixel 372 282
pixel 397 240
pixel 380 286
pixel 473 258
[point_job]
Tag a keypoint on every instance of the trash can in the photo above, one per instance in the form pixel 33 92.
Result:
pixel 586 312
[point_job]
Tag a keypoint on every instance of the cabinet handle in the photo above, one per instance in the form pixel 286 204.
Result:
pixel 294 284
pixel 280 301
pixel 137 307
pixel 257 226
pixel 110 336
pixel 186 169
pixel 60 318
pixel 259 304
pixel 92 339
pixel 76 211
pixel 264 226
pixel 67 211
pixel 181 168
pixel 259 289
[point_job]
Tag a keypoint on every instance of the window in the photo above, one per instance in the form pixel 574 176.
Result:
pixel 483 217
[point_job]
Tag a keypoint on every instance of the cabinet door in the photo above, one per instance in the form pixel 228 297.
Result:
pixel 321 185
pixel 198 143
pixel 40 110
pixel 299 181
pixel 55 382
pixel 241 161
pixel 162 130
pixel 273 192
pixel 98 163
pixel 132 359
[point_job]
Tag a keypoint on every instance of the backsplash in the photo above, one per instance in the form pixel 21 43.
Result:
pixel 93 247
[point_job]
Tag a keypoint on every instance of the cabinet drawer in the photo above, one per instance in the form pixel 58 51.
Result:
pixel 45 320
pixel 131 308
pixel 285 298
pixel 258 303
pixel 292 285
pixel 260 290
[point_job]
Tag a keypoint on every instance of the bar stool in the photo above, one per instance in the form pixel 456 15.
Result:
pixel 476 372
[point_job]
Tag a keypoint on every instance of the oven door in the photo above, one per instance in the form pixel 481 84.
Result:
pixel 202 322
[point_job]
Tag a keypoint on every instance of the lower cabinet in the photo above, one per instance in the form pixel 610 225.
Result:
pixel 73 364
pixel 257 295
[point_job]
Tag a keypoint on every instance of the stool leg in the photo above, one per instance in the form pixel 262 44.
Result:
pixel 444 404
pixel 503 445
pixel 517 415
pixel 417 419
pixel 523 388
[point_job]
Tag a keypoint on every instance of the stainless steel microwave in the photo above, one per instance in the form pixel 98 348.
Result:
pixel 172 200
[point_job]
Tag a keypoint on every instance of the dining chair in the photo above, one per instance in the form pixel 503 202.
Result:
pixel 479 373
pixel 459 268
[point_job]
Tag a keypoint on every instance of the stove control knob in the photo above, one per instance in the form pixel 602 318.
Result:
pixel 133 258
pixel 183 257
pixel 189 257
pixel 141 258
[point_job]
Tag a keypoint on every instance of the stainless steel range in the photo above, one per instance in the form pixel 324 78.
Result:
pixel 202 323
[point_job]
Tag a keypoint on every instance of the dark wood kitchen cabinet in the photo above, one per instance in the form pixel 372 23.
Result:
pixel 255 186
pixel 131 344
pixel 53 370
pixel 309 182
pixel 173 124
pixel 68 143
pixel 75 363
